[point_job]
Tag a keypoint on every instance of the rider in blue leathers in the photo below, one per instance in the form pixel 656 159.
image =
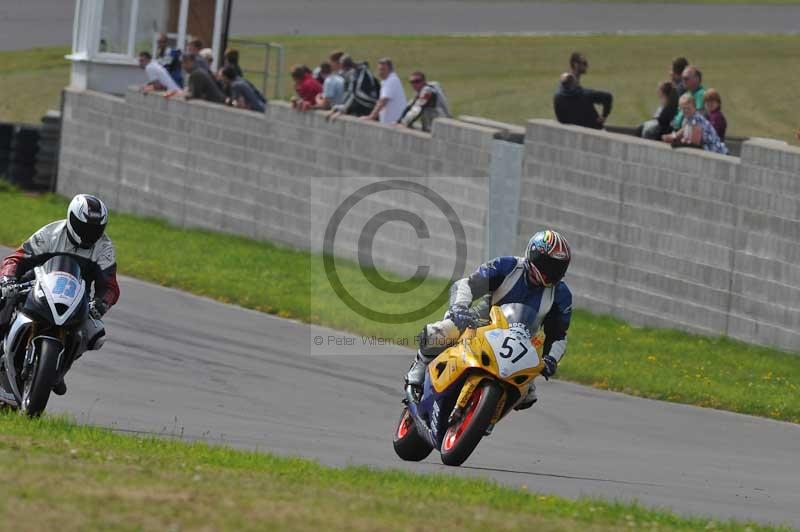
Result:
pixel 535 280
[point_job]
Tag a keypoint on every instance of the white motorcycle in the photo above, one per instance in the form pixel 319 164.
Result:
pixel 50 328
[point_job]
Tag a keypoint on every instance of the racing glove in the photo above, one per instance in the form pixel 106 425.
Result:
pixel 464 317
pixel 550 366
pixel 8 287
pixel 97 309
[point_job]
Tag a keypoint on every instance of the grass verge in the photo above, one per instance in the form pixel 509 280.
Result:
pixel 111 481
pixel 510 78
pixel 604 352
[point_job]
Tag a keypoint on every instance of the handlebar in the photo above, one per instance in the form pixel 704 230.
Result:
pixel 16 289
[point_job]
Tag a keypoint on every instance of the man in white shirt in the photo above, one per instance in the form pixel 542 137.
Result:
pixel 392 101
pixel 158 79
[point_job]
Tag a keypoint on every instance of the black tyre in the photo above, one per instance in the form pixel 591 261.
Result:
pixel 36 390
pixel 408 442
pixel 462 437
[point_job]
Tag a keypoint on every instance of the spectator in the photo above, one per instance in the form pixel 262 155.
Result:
pixel 208 56
pixel 158 79
pixel 231 58
pixel 712 102
pixel 361 89
pixel 679 64
pixel 195 46
pixel 306 86
pixel 200 84
pixel 578 66
pixel 332 87
pixel 661 122
pixel 392 99
pixel 169 58
pixel 692 79
pixel 696 130
pixel 429 103
pixel 336 61
pixel 575 105
pixel 243 95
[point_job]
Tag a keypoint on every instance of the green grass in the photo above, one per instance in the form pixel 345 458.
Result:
pixel 604 352
pixel 512 78
pixel 115 482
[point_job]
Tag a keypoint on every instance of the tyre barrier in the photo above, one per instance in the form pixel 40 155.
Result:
pixel 29 153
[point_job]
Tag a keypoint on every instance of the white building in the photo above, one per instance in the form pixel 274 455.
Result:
pixel 109 34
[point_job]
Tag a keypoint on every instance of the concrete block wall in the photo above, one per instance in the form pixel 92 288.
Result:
pixel 671 238
pixel 668 238
pixel 278 176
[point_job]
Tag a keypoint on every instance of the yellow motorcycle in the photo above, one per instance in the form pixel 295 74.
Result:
pixel 470 387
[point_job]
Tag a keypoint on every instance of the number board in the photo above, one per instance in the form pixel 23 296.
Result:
pixel 513 350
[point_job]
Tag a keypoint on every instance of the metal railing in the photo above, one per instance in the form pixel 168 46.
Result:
pixel 268 76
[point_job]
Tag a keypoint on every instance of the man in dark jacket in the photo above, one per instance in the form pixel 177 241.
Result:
pixel 575 105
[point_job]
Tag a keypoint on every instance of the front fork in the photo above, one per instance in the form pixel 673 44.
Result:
pixel 469 386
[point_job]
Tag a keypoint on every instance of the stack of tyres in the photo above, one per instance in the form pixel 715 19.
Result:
pixel 6 132
pixel 24 147
pixel 47 158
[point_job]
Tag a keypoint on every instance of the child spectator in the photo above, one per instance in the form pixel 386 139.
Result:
pixel 575 105
pixel 392 99
pixel 158 79
pixel 661 122
pixel 332 87
pixel 713 106
pixel 306 86
pixel 428 104
pixel 693 80
pixel 361 89
pixel 578 66
pixel 679 64
pixel 696 130
pixel 242 94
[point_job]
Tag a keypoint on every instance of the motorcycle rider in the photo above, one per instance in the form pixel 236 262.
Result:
pixel 535 280
pixel 81 235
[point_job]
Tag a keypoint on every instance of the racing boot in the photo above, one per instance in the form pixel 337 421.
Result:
pixel 416 373
pixel 60 388
pixel 529 400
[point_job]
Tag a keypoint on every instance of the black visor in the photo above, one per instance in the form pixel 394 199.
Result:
pixel 552 270
pixel 89 232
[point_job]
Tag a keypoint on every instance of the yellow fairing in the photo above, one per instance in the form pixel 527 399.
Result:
pixel 474 351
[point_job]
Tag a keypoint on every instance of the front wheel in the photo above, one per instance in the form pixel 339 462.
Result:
pixel 462 437
pixel 408 442
pixel 36 389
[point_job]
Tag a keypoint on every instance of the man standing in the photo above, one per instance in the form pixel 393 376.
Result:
pixel 242 93
pixel 692 79
pixel 169 58
pixel 158 79
pixel 429 103
pixel 200 84
pixel 575 105
pixel 361 89
pixel 392 98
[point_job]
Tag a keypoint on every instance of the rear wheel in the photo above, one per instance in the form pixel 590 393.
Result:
pixel 462 437
pixel 408 442
pixel 36 389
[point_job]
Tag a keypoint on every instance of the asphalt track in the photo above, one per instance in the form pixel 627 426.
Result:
pixel 29 23
pixel 180 365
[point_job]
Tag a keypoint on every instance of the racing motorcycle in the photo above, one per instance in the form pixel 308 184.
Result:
pixel 46 335
pixel 470 387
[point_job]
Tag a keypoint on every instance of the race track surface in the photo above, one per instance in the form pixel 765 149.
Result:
pixel 176 364
pixel 29 23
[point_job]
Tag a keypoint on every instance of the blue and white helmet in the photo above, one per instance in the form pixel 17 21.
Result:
pixel 547 257
pixel 87 217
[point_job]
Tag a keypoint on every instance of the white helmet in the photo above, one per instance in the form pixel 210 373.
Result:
pixel 87 218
